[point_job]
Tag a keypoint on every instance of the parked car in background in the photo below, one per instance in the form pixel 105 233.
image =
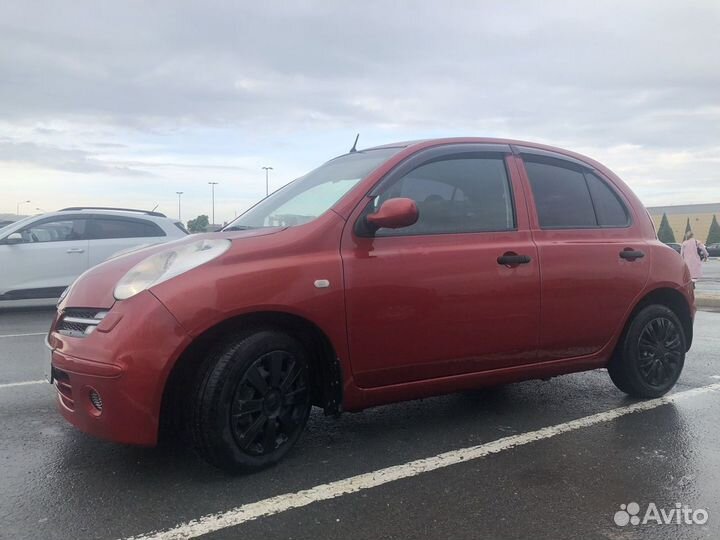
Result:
pixel 713 250
pixel 7 219
pixel 387 274
pixel 674 245
pixel 42 255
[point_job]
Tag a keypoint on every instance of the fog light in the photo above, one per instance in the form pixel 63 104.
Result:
pixel 96 400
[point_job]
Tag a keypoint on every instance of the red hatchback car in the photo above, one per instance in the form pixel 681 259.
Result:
pixel 387 274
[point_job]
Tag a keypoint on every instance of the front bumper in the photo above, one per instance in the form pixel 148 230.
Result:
pixel 122 367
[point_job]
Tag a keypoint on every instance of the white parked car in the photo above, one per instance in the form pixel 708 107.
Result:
pixel 41 255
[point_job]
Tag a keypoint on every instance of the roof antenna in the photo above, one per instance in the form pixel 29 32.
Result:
pixel 154 207
pixel 354 148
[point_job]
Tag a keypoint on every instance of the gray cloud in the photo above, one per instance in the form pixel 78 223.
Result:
pixel 584 75
pixel 460 64
pixel 62 159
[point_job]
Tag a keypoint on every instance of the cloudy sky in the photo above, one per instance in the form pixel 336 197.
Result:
pixel 125 103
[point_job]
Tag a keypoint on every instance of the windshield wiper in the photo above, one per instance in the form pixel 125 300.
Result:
pixel 238 228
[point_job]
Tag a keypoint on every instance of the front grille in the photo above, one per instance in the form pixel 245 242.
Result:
pixel 81 313
pixel 79 322
pixel 73 327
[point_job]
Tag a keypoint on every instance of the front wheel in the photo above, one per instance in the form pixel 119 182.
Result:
pixel 251 401
pixel 651 356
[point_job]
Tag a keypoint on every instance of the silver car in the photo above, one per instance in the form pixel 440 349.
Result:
pixel 42 255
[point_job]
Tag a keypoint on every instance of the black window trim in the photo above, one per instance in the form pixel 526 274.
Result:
pixel 562 161
pixel 528 150
pixel 431 155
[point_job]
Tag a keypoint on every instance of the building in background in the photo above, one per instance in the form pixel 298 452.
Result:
pixel 700 217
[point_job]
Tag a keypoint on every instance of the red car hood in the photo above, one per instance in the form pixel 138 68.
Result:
pixel 95 287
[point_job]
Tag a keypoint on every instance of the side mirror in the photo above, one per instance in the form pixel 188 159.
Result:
pixel 14 238
pixel 393 214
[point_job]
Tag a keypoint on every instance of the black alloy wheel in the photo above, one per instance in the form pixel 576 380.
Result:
pixel 270 403
pixel 251 400
pixel 650 356
pixel 660 350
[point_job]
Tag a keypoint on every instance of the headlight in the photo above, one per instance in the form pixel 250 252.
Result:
pixel 168 264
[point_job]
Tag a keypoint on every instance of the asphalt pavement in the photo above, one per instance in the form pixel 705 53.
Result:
pixel 544 459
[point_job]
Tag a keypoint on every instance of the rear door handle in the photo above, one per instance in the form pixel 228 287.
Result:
pixel 631 254
pixel 76 250
pixel 512 259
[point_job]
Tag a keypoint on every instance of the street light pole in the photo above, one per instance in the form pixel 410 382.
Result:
pixel 213 184
pixel 267 182
pixel 17 208
pixel 179 213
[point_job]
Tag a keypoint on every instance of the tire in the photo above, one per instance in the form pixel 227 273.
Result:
pixel 651 354
pixel 251 401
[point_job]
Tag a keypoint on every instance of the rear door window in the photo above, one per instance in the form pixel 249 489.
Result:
pixel 124 228
pixel 562 198
pixel 568 197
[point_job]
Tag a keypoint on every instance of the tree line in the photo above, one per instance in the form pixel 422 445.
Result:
pixel 666 235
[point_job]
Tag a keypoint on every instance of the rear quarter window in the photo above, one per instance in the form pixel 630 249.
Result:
pixel 180 226
pixel 609 209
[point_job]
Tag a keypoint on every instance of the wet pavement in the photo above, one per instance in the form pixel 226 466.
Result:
pixel 59 483
pixel 710 281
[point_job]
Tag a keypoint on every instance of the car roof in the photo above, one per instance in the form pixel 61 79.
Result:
pixel 479 140
pixel 515 144
pixel 166 223
pixel 112 209
pixel 109 212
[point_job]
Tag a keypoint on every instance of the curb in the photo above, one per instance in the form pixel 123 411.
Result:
pixel 707 300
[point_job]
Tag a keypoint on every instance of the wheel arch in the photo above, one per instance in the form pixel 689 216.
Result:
pixel 672 299
pixel 326 370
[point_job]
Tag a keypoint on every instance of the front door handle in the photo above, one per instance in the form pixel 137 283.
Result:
pixel 512 259
pixel 75 250
pixel 631 254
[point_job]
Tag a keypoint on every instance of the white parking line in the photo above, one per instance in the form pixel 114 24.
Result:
pixel 23 383
pixel 23 335
pixel 281 503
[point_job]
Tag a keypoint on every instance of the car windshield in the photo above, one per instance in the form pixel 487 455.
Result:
pixel 311 195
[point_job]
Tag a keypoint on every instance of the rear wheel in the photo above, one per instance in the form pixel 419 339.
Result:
pixel 251 401
pixel 651 356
